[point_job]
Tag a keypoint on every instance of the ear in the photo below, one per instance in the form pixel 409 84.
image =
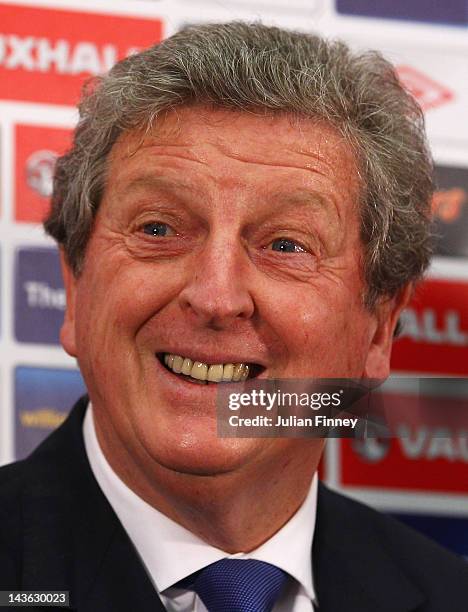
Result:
pixel 387 313
pixel 67 333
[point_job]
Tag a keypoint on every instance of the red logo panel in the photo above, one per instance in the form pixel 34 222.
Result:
pixel 429 452
pixel 47 54
pixel 37 149
pixel 435 330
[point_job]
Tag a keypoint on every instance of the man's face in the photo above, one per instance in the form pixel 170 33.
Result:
pixel 223 238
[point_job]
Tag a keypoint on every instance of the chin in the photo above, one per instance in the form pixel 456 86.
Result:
pixel 202 453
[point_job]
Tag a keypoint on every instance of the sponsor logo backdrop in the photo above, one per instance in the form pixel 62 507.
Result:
pixel 42 402
pixel 48 51
pixel 46 54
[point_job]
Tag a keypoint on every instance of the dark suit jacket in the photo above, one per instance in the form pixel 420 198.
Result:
pixel 58 532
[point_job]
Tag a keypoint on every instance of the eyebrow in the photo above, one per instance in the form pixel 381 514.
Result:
pixel 302 197
pixel 309 199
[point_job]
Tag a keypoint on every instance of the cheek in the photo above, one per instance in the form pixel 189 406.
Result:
pixel 117 301
pixel 323 337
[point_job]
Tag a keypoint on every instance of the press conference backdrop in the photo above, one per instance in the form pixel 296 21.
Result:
pixel 48 49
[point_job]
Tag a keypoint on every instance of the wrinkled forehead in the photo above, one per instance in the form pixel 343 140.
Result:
pixel 266 137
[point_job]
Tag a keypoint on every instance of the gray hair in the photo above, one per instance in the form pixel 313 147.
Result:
pixel 255 68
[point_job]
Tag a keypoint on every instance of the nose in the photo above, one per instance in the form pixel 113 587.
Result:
pixel 217 293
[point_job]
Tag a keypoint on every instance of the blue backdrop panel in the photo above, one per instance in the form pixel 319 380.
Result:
pixel 453 12
pixel 39 296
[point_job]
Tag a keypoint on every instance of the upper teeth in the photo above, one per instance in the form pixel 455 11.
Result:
pixel 234 372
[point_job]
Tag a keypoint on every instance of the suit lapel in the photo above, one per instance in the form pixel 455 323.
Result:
pixel 73 539
pixel 352 570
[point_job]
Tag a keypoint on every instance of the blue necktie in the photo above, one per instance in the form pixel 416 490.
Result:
pixel 239 585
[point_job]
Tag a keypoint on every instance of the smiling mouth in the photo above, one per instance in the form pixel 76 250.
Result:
pixel 202 373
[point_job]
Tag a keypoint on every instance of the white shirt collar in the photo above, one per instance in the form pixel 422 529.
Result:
pixel 170 552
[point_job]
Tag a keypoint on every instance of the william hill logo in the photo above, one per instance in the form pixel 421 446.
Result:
pixel 44 418
pixel 447 204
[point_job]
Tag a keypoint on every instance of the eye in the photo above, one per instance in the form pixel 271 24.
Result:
pixel 158 229
pixel 286 245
